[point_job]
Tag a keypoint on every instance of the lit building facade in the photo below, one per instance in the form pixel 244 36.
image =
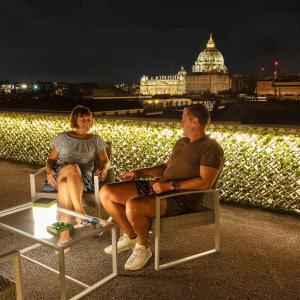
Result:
pixel 282 89
pixel 209 73
pixel 171 84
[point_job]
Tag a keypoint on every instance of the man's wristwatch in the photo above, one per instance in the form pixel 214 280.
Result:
pixel 175 184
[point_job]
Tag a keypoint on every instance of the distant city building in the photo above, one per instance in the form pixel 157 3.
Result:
pixel 170 84
pixel 210 75
pixel 166 103
pixel 281 89
pixel 237 83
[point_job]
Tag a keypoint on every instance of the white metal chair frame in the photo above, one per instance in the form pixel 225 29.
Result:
pixel 174 223
pixel 110 177
pixel 15 256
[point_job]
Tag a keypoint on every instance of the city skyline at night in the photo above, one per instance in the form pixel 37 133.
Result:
pixel 79 41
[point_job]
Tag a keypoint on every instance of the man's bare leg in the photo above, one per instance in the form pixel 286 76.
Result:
pixel 139 212
pixel 114 198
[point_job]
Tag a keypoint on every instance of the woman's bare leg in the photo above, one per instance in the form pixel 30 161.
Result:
pixel 64 200
pixel 72 175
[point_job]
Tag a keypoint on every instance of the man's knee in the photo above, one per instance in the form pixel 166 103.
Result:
pixel 132 209
pixel 105 193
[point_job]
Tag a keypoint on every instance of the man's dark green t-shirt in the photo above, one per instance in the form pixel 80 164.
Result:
pixel 186 158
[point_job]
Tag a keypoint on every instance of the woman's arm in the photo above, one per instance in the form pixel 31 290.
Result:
pixel 49 166
pixel 105 164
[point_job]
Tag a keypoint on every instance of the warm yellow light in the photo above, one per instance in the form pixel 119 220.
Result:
pixel 43 216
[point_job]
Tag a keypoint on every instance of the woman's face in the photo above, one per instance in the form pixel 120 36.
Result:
pixel 84 122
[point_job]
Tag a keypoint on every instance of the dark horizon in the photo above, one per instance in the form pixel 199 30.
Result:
pixel 112 42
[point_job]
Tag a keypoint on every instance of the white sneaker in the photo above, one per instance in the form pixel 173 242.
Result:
pixel 124 244
pixel 138 258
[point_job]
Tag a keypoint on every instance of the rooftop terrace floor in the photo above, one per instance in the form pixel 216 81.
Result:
pixel 259 258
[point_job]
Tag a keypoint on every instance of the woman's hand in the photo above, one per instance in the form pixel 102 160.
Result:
pixel 128 175
pixel 101 173
pixel 50 177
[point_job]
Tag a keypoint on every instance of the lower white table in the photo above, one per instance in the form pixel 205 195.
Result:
pixel 32 222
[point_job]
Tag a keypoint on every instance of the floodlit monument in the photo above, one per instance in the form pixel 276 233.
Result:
pixel 209 73
pixel 170 84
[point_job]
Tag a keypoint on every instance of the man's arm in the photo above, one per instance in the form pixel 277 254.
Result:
pixel 156 171
pixel 205 181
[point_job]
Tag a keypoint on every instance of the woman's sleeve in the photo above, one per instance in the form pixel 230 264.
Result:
pixel 57 142
pixel 100 144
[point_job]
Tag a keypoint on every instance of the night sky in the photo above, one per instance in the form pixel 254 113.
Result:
pixel 118 41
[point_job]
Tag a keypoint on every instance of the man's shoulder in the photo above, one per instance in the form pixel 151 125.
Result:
pixel 182 141
pixel 212 142
pixel 214 148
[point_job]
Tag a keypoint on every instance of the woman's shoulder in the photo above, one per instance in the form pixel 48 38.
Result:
pixel 97 136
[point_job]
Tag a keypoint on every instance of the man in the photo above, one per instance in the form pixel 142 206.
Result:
pixel 194 164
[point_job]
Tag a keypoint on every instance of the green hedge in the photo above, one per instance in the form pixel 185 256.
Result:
pixel 261 169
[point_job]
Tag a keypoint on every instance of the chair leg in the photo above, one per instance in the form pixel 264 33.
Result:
pixel 217 237
pixel 217 221
pixel 32 187
pixel 157 241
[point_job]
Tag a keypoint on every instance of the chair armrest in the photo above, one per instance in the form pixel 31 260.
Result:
pixel 39 171
pixel 173 194
pixel 183 193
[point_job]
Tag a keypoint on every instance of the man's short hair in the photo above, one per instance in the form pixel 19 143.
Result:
pixel 200 112
pixel 78 110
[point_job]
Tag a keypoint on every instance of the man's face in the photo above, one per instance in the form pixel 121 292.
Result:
pixel 187 123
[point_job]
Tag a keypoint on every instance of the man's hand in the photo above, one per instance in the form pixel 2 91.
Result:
pixel 101 173
pixel 128 175
pixel 161 187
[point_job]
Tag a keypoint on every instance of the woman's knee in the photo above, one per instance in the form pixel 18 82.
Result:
pixel 71 169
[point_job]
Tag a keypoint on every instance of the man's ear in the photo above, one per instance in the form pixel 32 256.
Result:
pixel 196 121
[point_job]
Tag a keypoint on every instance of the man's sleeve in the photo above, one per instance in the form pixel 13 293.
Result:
pixel 213 157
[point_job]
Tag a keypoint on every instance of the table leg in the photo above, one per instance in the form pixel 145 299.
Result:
pixel 62 273
pixel 114 250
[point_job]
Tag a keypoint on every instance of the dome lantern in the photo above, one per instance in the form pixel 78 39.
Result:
pixel 210 60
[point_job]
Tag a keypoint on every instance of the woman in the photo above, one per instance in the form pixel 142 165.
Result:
pixel 71 160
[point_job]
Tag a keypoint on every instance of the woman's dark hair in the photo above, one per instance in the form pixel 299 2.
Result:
pixel 77 111
pixel 200 112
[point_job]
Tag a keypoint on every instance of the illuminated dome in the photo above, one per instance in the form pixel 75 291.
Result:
pixel 210 59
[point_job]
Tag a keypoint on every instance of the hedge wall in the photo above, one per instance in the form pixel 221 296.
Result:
pixel 261 169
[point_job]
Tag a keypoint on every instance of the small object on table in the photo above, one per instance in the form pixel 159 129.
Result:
pixel 58 227
pixel 93 221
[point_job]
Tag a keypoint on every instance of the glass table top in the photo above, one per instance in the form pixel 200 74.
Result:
pixel 49 225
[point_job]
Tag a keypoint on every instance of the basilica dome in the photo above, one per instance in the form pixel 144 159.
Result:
pixel 210 60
